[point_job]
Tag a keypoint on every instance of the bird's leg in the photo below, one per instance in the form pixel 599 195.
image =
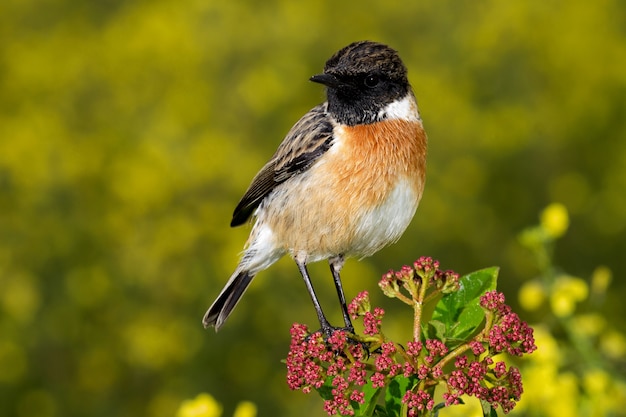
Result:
pixel 327 329
pixel 336 264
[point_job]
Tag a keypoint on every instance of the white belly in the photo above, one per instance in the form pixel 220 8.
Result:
pixel 386 223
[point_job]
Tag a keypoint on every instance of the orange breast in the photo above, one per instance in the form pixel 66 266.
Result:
pixel 321 212
pixel 372 157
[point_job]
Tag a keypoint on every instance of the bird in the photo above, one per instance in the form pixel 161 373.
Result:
pixel 345 182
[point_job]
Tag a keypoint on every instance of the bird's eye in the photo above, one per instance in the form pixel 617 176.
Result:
pixel 371 81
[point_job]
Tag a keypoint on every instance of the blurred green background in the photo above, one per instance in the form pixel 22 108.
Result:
pixel 130 129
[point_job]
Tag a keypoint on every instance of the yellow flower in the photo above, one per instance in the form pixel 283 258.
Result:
pixel 596 381
pixel 531 295
pixel 245 409
pixel 567 291
pixel 555 220
pixel 202 406
pixel 589 325
pixel 601 279
pixel 613 344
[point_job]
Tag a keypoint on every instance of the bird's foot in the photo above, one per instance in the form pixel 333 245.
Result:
pixel 328 333
pixel 327 330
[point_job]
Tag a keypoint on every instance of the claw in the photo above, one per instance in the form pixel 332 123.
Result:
pixel 327 332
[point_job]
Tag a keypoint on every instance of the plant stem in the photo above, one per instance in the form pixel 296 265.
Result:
pixel 417 318
pixel 403 298
pixel 418 303
pixel 452 355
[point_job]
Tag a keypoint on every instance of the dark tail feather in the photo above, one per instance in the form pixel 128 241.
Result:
pixel 227 300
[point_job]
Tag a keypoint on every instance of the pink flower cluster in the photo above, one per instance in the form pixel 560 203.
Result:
pixel 313 362
pixel 479 376
pixel 425 269
pixel 508 333
pixel 341 365
pixel 360 306
pixel 418 401
pixel 494 384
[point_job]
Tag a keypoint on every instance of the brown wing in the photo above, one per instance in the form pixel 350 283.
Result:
pixel 307 140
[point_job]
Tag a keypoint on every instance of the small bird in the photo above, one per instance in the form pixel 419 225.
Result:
pixel 346 180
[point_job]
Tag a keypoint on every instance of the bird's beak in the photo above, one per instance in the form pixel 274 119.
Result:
pixel 328 80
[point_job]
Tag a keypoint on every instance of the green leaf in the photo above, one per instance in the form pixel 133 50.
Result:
pixel 436 408
pixel 488 411
pixel 436 330
pixel 398 386
pixel 380 411
pixel 460 311
pixel 325 391
pixel 368 408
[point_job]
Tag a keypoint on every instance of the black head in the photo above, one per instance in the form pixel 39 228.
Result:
pixel 362 79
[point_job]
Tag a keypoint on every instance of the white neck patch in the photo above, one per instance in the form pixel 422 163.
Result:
pixel 403 109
